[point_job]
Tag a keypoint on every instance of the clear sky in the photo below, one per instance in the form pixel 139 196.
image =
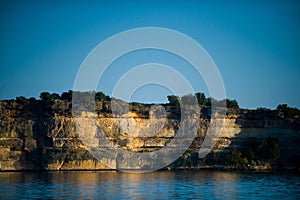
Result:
pixel 255 44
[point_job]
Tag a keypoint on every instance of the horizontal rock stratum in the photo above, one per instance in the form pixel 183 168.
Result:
pixel 41 135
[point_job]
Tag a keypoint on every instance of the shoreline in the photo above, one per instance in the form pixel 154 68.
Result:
pixel 211 169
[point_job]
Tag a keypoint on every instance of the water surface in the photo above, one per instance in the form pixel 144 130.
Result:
pixel 156 185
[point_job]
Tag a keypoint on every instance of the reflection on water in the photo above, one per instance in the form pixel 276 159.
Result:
pixel 156 185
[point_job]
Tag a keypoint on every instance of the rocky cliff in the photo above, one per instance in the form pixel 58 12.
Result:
pixel 43 135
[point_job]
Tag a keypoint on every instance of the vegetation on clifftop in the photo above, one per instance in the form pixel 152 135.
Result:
pixel 174 100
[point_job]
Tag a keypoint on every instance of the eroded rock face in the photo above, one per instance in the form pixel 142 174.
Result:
pixel 39 135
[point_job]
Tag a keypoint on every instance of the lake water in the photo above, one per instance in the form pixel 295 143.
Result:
pixel 156 185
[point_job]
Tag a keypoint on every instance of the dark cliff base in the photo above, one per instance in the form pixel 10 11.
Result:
pixel 41 135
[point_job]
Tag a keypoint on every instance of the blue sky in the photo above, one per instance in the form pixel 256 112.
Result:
pixel 256 45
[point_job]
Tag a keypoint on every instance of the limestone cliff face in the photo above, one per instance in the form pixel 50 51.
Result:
pixel 41 135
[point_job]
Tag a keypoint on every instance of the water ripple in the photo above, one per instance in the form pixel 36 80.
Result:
pixel 156 185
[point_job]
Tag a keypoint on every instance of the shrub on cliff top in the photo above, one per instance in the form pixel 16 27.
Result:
pixel 174 100
pixel 288 111
pixel 67 95
pixel 46 96
pixel 100 96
